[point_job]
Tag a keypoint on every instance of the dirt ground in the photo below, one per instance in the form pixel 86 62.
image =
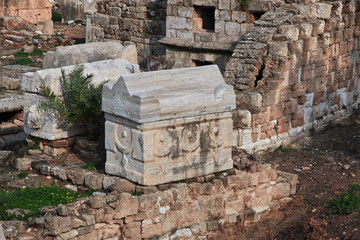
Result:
pixel 327 163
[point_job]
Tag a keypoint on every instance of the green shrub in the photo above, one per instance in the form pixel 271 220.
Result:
pixel 21 61
pixel 21 54
pixel 89 166
pixel 37 52
pixel 348 202
pixel 23 174
pixel 33 199
pixel 80 102
pixel 56 17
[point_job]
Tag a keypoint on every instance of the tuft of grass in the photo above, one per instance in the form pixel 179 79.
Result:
pixel 136 193
pixel 21 61
pixel 23 174
pixel 33 199
pixel 348 202
pixel 284 149
pixel 37 52
pixel 21 54
pixel 36 36
pixel 89 166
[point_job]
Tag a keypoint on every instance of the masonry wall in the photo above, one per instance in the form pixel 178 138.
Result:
pixel 205 32
pixel 295 70
pixel 139 22
pixel 32 11
pixel 191 210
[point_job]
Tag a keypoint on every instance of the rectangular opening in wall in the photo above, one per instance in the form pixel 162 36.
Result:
pixel 198 63
pixel 204 18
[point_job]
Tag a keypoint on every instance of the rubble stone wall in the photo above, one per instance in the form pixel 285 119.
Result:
pixel 32 11
pixel 190 210
pixel 141 22
pixel 295 70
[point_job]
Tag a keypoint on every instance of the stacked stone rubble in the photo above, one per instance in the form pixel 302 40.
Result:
pixel 295 70
pixel 191 210
pixel 141 22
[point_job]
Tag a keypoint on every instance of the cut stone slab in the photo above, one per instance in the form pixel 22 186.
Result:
pixel 10 102
pixel 169 125
pixel 108 70
pixel 86 53
pixel 10 76
pixel 43 124
pixel 161 95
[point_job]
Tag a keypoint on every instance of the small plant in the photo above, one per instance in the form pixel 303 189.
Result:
pixel 136 193
pixel 217 175
pixel 37 52
pixel 59 35
pixel 284 149
pixel 89 166
pixel 33 199
pixel 88 192
pixel 21 61
pixel 348 202
pixel 23 174
pixel 80 102
pixel 56 17
pixel 36 36
pixel 21 54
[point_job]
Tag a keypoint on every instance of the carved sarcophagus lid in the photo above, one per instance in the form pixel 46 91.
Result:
pixel 166 126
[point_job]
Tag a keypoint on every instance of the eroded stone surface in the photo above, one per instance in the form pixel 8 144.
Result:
pixel 160 95
pixel 43 124
pixel 87 53
pixel 170 125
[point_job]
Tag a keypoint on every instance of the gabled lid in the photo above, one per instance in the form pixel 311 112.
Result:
pixel 167 94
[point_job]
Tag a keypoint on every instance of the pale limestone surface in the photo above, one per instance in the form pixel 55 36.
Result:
pixel 43 124
pixel 87 53
pixel 160 95
pixel 11 102
pixel 108 70
pixel 168 125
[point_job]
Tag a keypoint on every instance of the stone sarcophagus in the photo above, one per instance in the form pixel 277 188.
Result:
pixel 170 125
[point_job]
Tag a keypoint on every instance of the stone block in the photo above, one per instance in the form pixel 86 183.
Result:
pixel 127 205
pixel 150 143
pixel 23 164
pixel 94 181
pixel 86 53
pixel 323 10
pixel 12 102
pixel 43 124
pixel 57 225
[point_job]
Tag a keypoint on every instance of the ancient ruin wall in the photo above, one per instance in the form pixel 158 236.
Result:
pixel 141 22
pixel 32 11
pixel 192 210
pixel 295 70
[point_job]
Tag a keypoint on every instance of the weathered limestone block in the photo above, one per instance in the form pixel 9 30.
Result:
pixel 171 125
pixel 87 53
pixel 43 124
